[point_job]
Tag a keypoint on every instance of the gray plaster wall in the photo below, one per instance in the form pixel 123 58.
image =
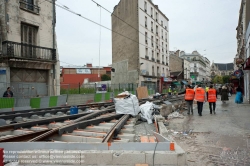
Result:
pixel 122 75
pixel 125 52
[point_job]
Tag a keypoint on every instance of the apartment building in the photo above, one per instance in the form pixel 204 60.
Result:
pixel 197 65
pixel 242 60
pixel 208 69
pixel 28 54
pixel 144 57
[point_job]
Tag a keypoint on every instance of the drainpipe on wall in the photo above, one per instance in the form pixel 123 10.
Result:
pixel 54 65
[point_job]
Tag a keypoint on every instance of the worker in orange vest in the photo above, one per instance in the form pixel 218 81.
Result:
pixel 211 97
pixel 200 97
pixel 189 97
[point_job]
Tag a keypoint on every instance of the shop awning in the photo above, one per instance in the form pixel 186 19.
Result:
pixel 176 83
pixel 184 82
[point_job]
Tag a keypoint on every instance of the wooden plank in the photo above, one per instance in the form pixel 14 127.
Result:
pixel 142 92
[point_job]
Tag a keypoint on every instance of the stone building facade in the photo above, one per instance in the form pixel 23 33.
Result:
pixel 28 54
pixel 221 69
pixel 242 59
pixel 141 57
pixel 197 66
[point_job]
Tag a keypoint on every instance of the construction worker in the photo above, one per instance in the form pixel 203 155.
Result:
pixel 211 97
pixel 207 88
pixel 189 98
pixel 200 97
pixel 169 91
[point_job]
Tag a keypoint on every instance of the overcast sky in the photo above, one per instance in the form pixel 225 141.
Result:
pixel 206 26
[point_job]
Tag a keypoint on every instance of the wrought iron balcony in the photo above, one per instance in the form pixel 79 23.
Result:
pixel 29 6
pixel 26 51
pixel 153 59
pixel 158 60
pixel 163 62
pixel 146 57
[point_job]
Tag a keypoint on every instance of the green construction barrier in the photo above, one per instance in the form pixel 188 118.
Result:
pixel 107 96
pixel 35 102
pixel 7 102
pixel 53 101
pixel 98 97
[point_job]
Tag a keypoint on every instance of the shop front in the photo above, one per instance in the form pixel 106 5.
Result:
pixel 166 83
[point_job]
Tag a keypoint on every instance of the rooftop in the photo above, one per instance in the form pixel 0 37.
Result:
pixel 225 66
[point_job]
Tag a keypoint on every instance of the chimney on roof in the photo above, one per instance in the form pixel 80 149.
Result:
pixel 89 64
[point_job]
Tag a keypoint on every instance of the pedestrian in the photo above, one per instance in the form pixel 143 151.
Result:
pixel 189 98
pixel 200 97
pixel 239 97
pixel 207 88
pixel 169 91
pixel 224 94
pixel 212 97
pixel 220 88
pixel 8 93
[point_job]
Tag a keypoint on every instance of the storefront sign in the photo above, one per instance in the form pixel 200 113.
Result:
pixel 101 88
pixel 238 73
pixel 3 71
pixel 167 79
pixel 83 71
pixel 147 79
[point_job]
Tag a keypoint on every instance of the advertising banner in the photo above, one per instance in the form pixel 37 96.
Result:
pixel 101 88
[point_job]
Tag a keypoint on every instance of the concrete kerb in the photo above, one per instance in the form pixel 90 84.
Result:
pixel 98 153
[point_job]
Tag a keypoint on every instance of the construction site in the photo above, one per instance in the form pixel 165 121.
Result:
pixel 126 131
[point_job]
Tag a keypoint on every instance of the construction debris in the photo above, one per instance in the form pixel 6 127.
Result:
pixel 175 115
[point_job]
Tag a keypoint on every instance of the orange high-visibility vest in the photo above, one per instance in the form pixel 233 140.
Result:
pixel 189 94
pixel 200 95
pixel 211 95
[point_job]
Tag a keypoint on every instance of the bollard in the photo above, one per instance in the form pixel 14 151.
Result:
pixel 172 146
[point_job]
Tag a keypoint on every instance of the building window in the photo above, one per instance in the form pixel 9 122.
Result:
pixel 153 70
pixel 146 37
pixel 161 23
pixel 29 34
pixel 146 51
pixel 145 6
pixel 151 12
pixel 146 22
pixel 162 34
pixel 162 47
pixel 158 56
pixel 166 36
pixel 152 41
pixel 163 71
pixel 152 54
pixel 156 30
pixel 156 16
pixel 157 43
pixel 29 5
pixel 158 70
pixel 152 26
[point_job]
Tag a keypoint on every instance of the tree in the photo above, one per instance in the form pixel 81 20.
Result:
pixel 218 80
pixel 105 77
pixel 226 79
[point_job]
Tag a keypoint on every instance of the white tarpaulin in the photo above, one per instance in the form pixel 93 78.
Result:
pixel 146 111
pixel 128 105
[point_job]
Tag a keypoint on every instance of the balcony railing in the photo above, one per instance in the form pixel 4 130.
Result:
pixel 158 61
pixel 153 59
pixel 163 62
pixel 146 57
pixel 27 51
pixel 28 6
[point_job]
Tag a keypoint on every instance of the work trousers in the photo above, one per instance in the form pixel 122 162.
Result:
pixel 190 106
pixel 210 106
pixel 200 107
